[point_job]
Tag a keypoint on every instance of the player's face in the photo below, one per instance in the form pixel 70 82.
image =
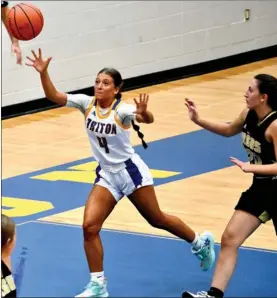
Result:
pixel 104 87
pixel 253 97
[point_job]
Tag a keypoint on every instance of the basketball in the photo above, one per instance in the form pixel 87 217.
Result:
pixel 25 21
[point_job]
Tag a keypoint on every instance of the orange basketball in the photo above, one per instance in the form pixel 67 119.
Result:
pixel 25 21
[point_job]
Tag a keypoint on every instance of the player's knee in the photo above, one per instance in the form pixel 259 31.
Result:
pixel 158 221
pixel 230 239
pixel 90 230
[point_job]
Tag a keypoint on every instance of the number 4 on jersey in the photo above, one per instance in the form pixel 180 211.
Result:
pixel 103 144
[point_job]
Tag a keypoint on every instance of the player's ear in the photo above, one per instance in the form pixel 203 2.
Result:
pixel 264 97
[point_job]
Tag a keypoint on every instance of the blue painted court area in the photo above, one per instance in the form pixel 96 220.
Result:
pixel 135 265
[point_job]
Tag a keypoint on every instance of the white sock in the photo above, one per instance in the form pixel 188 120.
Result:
pixel 97 276
pixel 197 242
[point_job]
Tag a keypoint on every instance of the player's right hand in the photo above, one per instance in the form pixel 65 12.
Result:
pixel 38 63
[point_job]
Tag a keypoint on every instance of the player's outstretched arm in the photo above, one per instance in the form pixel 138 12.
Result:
pixel 15 47
pixel 261 169
pixel 224 129
pixel 41 66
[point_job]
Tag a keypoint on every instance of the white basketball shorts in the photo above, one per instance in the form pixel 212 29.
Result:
pixel 136 174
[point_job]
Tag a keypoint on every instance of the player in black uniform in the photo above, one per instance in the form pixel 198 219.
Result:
pixel 15 44
pixel 258 204
pixel 8 240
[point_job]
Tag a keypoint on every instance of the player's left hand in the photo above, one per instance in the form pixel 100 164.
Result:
pixel 141 104
pixel 245 166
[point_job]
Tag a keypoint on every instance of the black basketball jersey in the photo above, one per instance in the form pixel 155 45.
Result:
pixel 259 150
pixel 8 288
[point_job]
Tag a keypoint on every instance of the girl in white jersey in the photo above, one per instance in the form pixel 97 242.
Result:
pixel 120 172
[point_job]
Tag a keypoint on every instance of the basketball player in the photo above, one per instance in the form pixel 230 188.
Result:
pixel 8 240
pixel 258 204
pixel 15 44
pixel 120 172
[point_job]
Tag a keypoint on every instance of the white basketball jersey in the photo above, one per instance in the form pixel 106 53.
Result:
pixel 108 133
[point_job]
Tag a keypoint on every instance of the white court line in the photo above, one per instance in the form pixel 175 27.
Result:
pixel 25 222
pixel 106 230
pixel 139 234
